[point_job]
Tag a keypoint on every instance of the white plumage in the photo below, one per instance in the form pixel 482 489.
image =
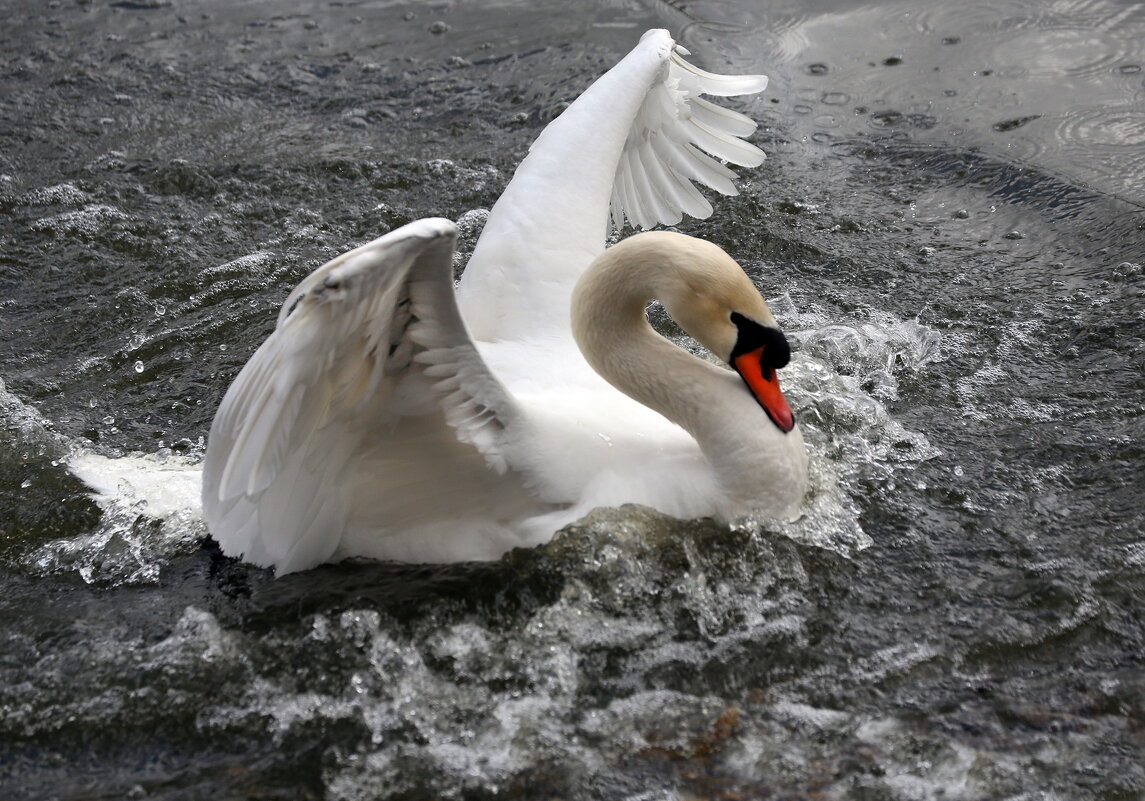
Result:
pixel 389 416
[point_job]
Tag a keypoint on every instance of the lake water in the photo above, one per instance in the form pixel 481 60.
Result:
pixel 950 226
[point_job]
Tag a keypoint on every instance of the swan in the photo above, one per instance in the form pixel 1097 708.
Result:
pixel 392 415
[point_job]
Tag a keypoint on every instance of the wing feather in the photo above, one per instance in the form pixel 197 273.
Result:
pixel 322 393
pixel 699 81
pixel 681 192
pixel 691 164
pixel 722 118
pixel 637 138
pixel 653 194
pixel 683 131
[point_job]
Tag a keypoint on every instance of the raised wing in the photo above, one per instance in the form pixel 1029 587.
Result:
pixel 665 149
pixel 368 339
pixel 636 141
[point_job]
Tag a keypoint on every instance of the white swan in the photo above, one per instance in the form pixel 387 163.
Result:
pixel 389 417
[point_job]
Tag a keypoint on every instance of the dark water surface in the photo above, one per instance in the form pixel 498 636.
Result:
pixel 950 225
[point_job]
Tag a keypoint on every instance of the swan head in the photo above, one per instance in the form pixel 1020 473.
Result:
pixel 703 289
pixel 707 292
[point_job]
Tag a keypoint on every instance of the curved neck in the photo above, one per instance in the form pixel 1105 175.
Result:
pixel 613 333
pixel 755 464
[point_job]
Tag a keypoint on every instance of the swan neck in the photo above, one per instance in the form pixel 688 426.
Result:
pixel 753 462
pixel 612 331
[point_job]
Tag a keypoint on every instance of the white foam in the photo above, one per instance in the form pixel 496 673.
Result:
pixel 159 485
pixel 88 221
pixel 837 383
pixel 150 513
pixel 65 194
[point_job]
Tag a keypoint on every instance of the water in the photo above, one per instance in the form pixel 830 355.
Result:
pixel 951 226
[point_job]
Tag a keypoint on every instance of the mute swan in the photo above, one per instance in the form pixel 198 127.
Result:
pixel 389 416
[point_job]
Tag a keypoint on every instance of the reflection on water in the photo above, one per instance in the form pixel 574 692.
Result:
pixel 950 227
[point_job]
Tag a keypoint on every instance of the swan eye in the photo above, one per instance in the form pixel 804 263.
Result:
pixel 753 336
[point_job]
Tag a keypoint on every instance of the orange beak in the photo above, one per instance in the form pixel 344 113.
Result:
pixel 764 385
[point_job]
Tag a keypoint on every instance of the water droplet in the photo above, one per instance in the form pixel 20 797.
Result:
pixel 958 471
pixel 138 366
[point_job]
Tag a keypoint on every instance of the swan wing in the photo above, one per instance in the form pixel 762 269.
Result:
pixel 636 142
pixel 667 148
pixel 368 340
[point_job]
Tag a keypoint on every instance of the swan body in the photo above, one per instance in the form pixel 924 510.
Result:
pixel 392 416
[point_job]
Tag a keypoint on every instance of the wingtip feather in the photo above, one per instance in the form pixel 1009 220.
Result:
pixel 676 139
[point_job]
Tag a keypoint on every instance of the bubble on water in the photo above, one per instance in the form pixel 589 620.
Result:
pixel 471 223
pixel 88 221
pixel 472 179
pixel 469 227
pixel 877 354
pixel 837 383
pixel 65 194
pixel 138 366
